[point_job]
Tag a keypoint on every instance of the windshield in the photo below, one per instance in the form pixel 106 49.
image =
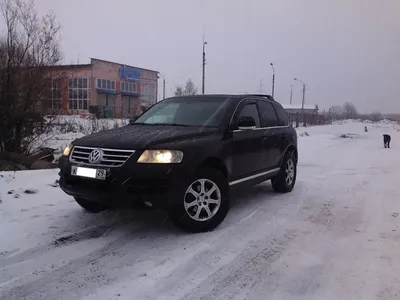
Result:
pixel 186 111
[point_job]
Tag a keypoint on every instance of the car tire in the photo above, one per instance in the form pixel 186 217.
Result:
pixel 286 179
pixel 90 206
pixel 201 209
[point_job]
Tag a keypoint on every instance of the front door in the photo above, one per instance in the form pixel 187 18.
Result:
pixel 272 134
pixel 246 144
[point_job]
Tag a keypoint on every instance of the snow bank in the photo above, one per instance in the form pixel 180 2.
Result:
pixel 68 128
pixel 359 121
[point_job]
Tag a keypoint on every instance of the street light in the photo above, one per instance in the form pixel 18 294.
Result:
pixel 302 102
pixel 204 66
pixel 163 84
pixel 273 79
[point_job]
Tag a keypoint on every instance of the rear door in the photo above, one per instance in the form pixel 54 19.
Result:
pixel 246 144
pixel 272 134
pixel 284 132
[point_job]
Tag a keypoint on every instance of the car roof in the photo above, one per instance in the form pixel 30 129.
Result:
pixel 231 96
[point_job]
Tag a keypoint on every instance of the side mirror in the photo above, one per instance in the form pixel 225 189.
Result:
pixel 246 123
pixel 133 120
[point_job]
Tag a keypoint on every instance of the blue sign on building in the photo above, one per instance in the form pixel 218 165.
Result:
pixel 129 74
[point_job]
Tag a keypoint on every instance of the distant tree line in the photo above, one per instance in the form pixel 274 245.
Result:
pixel 188 90
pixel 349 111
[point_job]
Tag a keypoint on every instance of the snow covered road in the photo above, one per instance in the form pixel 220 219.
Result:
pixel 336 236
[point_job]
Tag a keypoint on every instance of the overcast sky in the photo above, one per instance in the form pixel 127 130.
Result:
pixel 345 50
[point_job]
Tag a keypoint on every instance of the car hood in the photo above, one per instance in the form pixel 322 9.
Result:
pixel 142 136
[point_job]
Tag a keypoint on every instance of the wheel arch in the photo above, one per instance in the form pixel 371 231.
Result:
pixel 291 148
pixel 215 163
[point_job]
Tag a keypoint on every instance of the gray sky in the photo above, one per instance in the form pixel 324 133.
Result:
pixel 345 50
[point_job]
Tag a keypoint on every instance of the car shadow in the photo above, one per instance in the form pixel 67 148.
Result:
pixel 83 226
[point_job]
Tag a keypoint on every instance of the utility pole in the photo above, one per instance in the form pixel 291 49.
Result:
pixel 163 92
pixel 163 84
pixel 291 93
pixel 204 66
pixel 273 79
pixel 303 101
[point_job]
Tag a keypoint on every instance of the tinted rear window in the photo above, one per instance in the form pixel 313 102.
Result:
pixel 281 114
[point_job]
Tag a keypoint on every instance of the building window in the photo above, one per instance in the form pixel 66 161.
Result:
pixel 128 87
pixel 148 94
pixel 105 84
pixel 78 93
pixel 55 97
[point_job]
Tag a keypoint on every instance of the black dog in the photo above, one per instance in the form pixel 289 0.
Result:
pixel 386 140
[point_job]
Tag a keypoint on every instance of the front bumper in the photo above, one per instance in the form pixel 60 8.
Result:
pixel 128 185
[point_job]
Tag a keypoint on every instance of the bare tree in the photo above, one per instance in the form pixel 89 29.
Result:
pixel 376 116
pixel 350 110
pixel 29 50
pixel 335 112
pixel 190 89
pixel 179 91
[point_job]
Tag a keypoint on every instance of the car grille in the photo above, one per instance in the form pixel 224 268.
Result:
pixel 110 157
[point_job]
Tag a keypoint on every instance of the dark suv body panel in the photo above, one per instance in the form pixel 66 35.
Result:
pixel 243 156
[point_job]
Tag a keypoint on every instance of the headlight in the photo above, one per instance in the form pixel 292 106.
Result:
pixel 161 157
pixel 67 150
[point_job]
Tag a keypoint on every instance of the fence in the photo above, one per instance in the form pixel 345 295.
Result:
pixel 297 119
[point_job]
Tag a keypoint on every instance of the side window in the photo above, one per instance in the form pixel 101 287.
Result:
pixel 250 110
pixel 268 116
pixel 282 116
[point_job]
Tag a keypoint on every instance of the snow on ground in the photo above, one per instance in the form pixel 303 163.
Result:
pixel 68 128
pixel 336 236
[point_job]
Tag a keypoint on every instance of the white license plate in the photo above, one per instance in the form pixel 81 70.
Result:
pixel 88 172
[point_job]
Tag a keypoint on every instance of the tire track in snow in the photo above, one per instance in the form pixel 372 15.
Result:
pixel 211 277
pixel 98 269
pixel 229 281
pixel 40 250
pixel 67 240
pixel 33 289
pixel 232 250
pixel 8 253
pixel 85 234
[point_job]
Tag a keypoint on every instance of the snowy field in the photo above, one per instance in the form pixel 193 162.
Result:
pixel 336 236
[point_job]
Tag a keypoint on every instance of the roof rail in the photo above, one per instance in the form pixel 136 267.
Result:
pixel 261 95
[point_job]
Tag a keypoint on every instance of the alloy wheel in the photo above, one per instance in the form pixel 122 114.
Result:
pixel 202 199
pixel 289 172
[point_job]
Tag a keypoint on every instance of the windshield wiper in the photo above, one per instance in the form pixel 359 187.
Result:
pixel 166 124
pixel 183 125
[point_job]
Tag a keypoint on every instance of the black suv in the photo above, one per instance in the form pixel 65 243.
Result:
pixel 184 155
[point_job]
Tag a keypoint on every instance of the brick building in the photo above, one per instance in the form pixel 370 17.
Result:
pixel 310 113
pixel 104 88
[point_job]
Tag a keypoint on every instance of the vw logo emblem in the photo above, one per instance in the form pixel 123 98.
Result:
pixel 95 156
